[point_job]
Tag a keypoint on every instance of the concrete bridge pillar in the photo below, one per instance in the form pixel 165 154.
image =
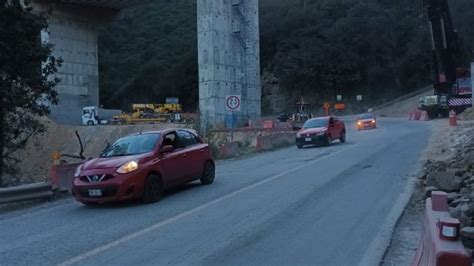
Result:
pixel 73 31
pixel 229 59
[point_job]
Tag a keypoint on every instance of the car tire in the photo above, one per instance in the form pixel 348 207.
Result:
pixel 328 140
pixel 342 139
pixel 90 123
pixel 209 173
pixel 299 146
pixel 153 190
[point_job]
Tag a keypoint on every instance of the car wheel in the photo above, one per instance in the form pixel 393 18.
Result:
pixel 209 173
pixel 328 140
pixel 90 123
pixel 299 146
pixel 342 139
pixel 153 189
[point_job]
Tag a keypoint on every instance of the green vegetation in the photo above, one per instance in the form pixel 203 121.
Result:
pixel 315 48
pixel 24 84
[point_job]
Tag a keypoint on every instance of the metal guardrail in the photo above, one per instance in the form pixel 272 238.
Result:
pixel 26 192
pixel 403 98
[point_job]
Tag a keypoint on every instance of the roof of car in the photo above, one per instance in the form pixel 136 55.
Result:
pixel 161 131
pixel 321 118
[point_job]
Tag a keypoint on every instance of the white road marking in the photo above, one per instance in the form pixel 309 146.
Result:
pixel 156 226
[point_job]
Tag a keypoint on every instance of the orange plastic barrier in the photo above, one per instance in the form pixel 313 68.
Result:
pixel 440 244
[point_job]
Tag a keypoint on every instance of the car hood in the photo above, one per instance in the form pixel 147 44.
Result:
pixel 112 162
pixel 312 130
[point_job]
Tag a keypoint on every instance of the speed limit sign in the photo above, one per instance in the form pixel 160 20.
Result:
pixel 232 103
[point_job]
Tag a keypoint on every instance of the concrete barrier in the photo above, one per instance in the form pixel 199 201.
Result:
pixel 62 175
pixel 228 150
pixel 268 124
pixel 440 244
pixel 264 143
pixel 417 115
pixel 282 139
pixel 26 192
pixel 424 116
pixel 249 140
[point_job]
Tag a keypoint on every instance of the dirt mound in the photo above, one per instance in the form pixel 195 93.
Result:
pixel 468 114
pixel 402 108
pixel 36 159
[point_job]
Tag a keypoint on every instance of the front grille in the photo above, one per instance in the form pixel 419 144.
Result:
pixel 106 192
pixel 95 178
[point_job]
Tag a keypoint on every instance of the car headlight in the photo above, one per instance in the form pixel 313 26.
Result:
pixel 78 171
pixel 359 123
pixel 322 133
pixel 128 167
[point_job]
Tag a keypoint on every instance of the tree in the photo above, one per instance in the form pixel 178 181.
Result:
pixel 26 83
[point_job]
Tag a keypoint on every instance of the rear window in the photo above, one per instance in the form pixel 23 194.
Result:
pixel 187 139
pixel 314 123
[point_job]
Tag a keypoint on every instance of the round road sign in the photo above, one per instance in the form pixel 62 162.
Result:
pixel 233 103
pixel 326 105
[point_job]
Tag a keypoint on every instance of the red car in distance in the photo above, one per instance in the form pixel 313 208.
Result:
pixel 366 121
pixel 143 166
pixel 321 130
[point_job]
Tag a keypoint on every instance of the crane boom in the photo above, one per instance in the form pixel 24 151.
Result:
pixel 445 45
pixel 452 86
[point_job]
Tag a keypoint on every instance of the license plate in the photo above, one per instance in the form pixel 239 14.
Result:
pixel 95 192
pixel 307 139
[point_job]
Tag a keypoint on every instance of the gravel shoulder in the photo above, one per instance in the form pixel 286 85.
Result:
pixel 443 146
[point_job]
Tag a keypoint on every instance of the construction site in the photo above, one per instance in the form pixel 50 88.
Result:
pixel 356 156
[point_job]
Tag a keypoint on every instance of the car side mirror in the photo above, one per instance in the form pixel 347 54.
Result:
pixel 167 149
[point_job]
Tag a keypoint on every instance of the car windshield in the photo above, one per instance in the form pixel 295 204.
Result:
pixel 314 123
pixel 131 145
pixel 366 116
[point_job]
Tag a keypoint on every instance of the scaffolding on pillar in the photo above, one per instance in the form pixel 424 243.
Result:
pixel 237 27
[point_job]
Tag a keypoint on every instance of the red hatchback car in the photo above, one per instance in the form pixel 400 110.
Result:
pixel 143 166
pixel 321 130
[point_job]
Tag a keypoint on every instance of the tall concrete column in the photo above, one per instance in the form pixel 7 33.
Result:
pixel 73 31
pixel 76 43
pixel 229 59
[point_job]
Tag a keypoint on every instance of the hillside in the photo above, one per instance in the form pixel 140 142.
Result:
pixel 311 48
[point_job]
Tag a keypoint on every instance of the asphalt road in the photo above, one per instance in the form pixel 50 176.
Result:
pixel 319 206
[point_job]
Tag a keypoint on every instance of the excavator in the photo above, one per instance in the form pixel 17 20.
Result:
pixel 302 114
pixel 452 87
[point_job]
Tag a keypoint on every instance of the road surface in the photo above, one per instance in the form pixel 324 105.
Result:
pixel 320 206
